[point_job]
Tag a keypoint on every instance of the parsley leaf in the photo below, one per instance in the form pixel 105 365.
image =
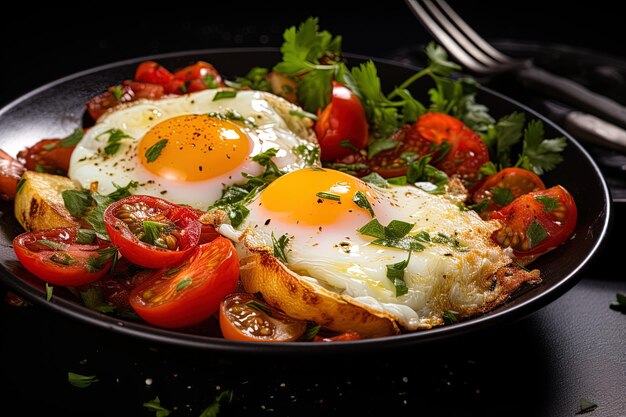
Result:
pixel 360 199
pixel 619 304
pixel 536 233
pixel 183 284
pixel 313 57
pixel 328 196
pixel 114 140
pixel 72 139
pixel 49 291
pixel 220 95
pixel 81 381
pixel 502 196
pixel 395 235
pixel 225 397
pixel 155 405
pixel 549 203
pixel 395 273
pixel 280 245
pixel 255 79
pixel 309 154
pixel 449 317
pixel 376 179
pixel 540 155
pixel 154 151
pixel 310 333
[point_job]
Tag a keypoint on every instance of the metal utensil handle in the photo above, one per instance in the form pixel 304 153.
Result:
pixel 572 93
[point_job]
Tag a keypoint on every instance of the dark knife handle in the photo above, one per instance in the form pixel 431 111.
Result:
pixel 573 94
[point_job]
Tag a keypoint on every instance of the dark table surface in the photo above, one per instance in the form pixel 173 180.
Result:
pixel 543 365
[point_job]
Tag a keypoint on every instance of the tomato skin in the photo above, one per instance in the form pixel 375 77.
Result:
pixel 199 70
pixel 518 181
pixel 11 172
pixel 524 211
pixel 153 73
pixel 213 272
pixel 128 91
pixel 237 319
pixel 47 154
pixel 467 151
pixel 342 119
pixel 35 257
pixel 145 254
pixel 388 163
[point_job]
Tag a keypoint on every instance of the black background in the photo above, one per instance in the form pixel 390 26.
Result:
pixel 540 366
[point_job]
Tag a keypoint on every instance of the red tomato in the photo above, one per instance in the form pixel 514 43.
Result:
pixel 456 149
pixel 48 155
pixel 200 70
pixel 536 222
pixel 126 92
pixel 54 256
pixel 246 318
pixel 388 163
pixel 11 172
pixel 342 120
pixel 503 187
pixel 190 291
pixel 342 337
pixel 153 73
pixel 152 232
pixel 175 86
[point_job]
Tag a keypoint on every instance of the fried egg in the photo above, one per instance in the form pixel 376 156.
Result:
pixel 450 267
pixel 187 149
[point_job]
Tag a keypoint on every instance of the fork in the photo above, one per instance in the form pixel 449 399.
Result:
pixel 480 57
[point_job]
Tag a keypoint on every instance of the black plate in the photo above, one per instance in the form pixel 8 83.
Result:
pixel 57 108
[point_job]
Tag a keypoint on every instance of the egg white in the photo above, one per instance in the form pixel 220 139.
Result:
pixel 275 127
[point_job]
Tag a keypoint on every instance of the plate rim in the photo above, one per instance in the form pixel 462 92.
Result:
pixel 173 338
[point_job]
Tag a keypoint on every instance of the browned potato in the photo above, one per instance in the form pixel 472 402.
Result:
pixel 285 290
pixel 38 202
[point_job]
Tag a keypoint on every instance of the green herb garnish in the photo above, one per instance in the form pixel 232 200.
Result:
pixel 394 235
pixel 450 317
pixel 155 405
pixel 184 284
pixel 502 196
pixel 49 291
pixel 536 233
pixel 549 203
pixel 360 199
pixel 62 258
pixel 255 305
pixel 72 139
pixel 220 95
pixel 96 263
pixel 154 151
pixel 224 398
pixel 280 245
pixel 303 114
pixel 586 406
pixel 81 381
pixel 619 304
pixel 395 273
pixel 85 236
pixel 328 196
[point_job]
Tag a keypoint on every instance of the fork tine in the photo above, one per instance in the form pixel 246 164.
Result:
pixel 447 42
pixel 458 36
pixel 472 35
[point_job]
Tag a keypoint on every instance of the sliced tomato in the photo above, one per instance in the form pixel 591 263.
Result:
pixel 245 317
pixel 153 73
pixel 190 291
pixel 536 222
pixel 203 71
pixel 54 256
pixel 152 232
pixel 342 125
pixel 126 92
pixel 456 149
pixel 11 172
pixel 47 155
pixel 503 187
pixel 389 163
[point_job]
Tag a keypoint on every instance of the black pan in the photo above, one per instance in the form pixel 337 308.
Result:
pixel 56 108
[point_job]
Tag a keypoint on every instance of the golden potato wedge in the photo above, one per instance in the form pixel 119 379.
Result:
pixel 287 291
pixel 38 203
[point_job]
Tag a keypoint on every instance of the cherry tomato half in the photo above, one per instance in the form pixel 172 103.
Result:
pixel 153 73
pixel 342 120
pixel 456 148
pixel 189 292
pixel 11 172
pixel 341 337
pixel 504 186
pixel 48 155
pixel 244 317
pixel 54 256
pixel 126 92
pixel 537 221
pixel 152 232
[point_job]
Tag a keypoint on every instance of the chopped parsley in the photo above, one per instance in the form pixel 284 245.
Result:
pixel 394 235
pixel 184 284
pixel 255 79
pixel 72 139
pixel 395 273
pixel 280 245
pixel 309 154
pixel 376 179
pixel 96 263
pixel 62 258
pixel 81 381
pixel 154 151
pixel 117 92
pixel 310 333
pixel 50 244
pixel 360 199
pixel 155 405
pixel 450 317
pixel 234 116
pixel 328 196
pixel 549 203
pixel 20 184
pixel 302 114
pixel 114 140
pixel 220 95
pixel 255 305
pixel 85 236
pixel 619 304
pixel 502 196
pixel 536 233
pixel 49 291
pixel 223 398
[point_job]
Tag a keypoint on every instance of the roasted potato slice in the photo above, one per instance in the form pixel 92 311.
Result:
pixel 38 202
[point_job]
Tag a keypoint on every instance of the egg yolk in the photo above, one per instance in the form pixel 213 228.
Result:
pixel 316 197
pixel 193 148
